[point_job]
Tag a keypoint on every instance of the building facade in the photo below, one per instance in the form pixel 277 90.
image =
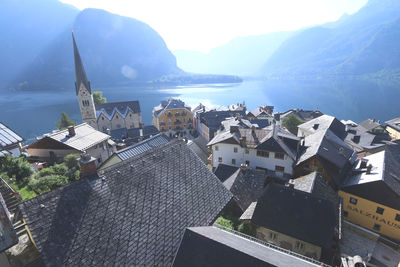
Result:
pixel 172 117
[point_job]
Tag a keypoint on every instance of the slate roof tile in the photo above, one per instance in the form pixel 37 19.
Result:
pixel 135 217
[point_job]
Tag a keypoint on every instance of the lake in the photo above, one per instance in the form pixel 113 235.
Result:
pixel 34 113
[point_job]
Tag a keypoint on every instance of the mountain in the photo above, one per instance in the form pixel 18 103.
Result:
pixel 240 56
pixel 115 50
pixel 26 27
pixel 364 43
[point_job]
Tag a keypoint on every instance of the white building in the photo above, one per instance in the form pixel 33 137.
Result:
pixel 269 149
pixel 74 140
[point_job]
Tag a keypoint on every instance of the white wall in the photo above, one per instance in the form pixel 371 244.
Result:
pixel 226 151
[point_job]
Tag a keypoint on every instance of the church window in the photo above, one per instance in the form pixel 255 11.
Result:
pixel 130 115
pixel 117 116
pixel 102 118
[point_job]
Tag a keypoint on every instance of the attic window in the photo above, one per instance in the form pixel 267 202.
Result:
pixel 316 126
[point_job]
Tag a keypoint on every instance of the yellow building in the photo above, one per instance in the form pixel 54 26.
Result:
pixel 294 220
pixel 173 117
pixel 393 127
pixel 371 195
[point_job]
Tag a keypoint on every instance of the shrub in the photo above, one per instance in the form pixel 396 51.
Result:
pixel 247 229
pixel 71 162
pixel 224 222
pixel 17 167
pixel 47 183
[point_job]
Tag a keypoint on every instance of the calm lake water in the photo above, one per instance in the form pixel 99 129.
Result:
pixel 33 113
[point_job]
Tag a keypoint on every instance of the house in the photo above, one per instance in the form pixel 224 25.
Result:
pixel 324 152
pixel 10 142
pixel 173 117
pixel 134 150
pixel 209 122
pixel 322 123
pixel 115 115
pixel 263 112
pixel 269 149
pixel 393 128
pixel 214 247
pixel 294 220
pixel 362 140
pixel 130 214
pixel 74 140
pixel 246 186
pixel 371 193
pixel 304 115
pixel 132 136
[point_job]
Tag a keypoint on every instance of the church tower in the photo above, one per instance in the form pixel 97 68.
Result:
pixel 83 90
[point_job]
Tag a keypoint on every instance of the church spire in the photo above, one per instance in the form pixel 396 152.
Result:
pixel 79 70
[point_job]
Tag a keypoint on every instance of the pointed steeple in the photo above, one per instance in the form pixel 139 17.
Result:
pixel 79 70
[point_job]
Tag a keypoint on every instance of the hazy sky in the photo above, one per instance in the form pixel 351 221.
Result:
pixel 205 24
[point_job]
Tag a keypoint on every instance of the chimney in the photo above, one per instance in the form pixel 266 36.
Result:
pixel 290 183
pixel 363 163
pixel 243 167
pixel 369 168
pixel 71 130
pixel 141 132
pixel 87 164
pixel 108 131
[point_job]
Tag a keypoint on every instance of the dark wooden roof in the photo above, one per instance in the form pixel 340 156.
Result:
pixel 134 214
pixel 297 214
pixel 213 247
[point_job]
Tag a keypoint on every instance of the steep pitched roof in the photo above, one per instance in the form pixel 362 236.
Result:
pixel 246 186
pixel 211 246
pixel 170 103
pixel 295 213
pixel 360 138
pixel 141 147
pixel 199 147
pixel 109 109
pixel 382 184
pixel 369 124
pixel 132 135
pixel 327 145
pixel 236 121
pixel 304 115
pixel 224 171
pixel 394 123
pixel 84 138
pixel 323 123
pixel 212 119
pixel 80 73
pixel 132 215
pixel 8 137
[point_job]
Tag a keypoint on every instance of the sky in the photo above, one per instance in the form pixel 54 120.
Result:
pixel 205 24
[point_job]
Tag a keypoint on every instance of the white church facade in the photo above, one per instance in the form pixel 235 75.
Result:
pixel 103 117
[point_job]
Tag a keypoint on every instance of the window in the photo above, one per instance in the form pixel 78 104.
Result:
pixel 279 168
pixel 263 153
pixel 235 149
pixel 169 127
pixel 279 155
pixel 99 160
pixel 234 161
pixel 216 148
pixel 219 159
pixel 380 210
pixel 102 118
pixel 353 201
pixel 377 227
pixel 345 213
pixel 272 236
pixel 299 245
pixel 397 218
pixel 247 163
pixel 246 151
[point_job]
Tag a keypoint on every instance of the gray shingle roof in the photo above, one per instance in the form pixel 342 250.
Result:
pixel 8 137
pixel 211 246
pixel 297 214
pixel 305 115
pixel 134 215
pixel 325 122
pixel 132 135
pixel 141 147
pixel 224 171
pixel 212 119
pixel 170 103
pixel 246 186
pixel 84 138
pixel 382 185
pixel 369 124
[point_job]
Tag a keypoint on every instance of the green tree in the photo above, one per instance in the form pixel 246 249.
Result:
pixel 47 183
pixel 65 121
pixel 16 167
pixel 291 122
pixel 98 97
